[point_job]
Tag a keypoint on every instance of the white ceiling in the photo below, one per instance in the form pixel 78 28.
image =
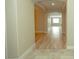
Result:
pixel 59 4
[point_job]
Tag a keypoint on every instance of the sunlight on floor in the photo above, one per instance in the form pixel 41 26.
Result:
pixel 56 31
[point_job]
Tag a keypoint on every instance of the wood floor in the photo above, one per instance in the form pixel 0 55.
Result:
pixel 50 40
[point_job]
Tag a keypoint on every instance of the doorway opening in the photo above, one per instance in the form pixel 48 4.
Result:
pixel 50 24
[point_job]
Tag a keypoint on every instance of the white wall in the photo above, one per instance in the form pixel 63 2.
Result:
pixel 25 24
pixel 20 27
pixel 70 23
pixel 11 28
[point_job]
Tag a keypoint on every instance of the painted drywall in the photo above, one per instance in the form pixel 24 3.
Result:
pixel 20 27
pixel 25 25
pixel 11 34
pixel 70 23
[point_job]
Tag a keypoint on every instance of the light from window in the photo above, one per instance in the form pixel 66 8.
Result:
pixel 55 20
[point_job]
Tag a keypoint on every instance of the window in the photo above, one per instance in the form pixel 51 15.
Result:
pixel 56 20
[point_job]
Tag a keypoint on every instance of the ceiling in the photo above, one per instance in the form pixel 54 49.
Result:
pixel 47 4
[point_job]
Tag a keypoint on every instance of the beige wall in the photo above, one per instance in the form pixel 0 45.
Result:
pixel 70 23
pixel 25 24
pixel 11 28
pixel 20 26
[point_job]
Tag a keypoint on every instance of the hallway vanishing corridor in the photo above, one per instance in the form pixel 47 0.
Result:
pixel 39 29
pixel 50 40
pixel 50 26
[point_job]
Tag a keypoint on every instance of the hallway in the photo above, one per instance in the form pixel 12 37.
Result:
pixel 31 36
pixel 51 40
pixel 50 24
